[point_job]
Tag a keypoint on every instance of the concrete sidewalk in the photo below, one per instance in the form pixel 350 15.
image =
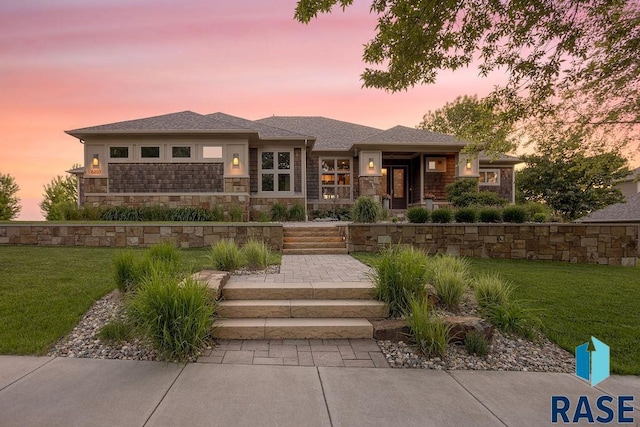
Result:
pixel 88 392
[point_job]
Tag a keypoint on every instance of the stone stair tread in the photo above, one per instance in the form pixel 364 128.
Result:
pixel 297 239
pixel 318 302
pixel 314 245
pixel 320 251
pixel 265 328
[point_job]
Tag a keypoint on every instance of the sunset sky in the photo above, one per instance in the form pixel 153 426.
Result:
pixel 75 63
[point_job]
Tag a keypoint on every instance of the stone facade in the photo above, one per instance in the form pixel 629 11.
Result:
pixel 370 186
pixel 236 185
pixel 94 185
pixel 165 177
pixel 613 244
pixel 192 235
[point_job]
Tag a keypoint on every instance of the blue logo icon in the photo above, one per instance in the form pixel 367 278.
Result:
pixel 592 366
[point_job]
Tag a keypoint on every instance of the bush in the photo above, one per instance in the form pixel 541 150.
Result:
pixel 430 335
pixel 466 215
pixel 490 289
pixel 441 215
pixel 516 214
pixel 443 263
pixel 226 256
pixel 533 208
pixel 400 273
pixel 236 213
pixel 489 198
pixel 492 215
pixel 296 213
pixel 450 287
pixel 264 217
pixel 417 215
pixel 155 213
pixel 476 344
pixel 539 217
pixel 116 331
pixel 365 210
pixel 256 254
pixel 127 270
pixel 462 192
pixel 278 212
pixel 176 317
pixel 512 317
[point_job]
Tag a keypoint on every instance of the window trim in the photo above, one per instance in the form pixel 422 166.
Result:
pixel 335 172
pixel 181 159
pixel 120 159
pixel 275 171
pixel 150 159
pixel 483 172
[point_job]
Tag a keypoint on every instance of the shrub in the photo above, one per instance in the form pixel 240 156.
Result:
pixel 216 214
pixel 462 192
pixel 116 331
pixel 226 256
pixel 165 256
pixel 441 215
pixel 466 215
pixel 122 213
pixel 155 213
pixel 442 263
pixel 533 208
pixel 476 344
pixel 515 214
pixel 264 217
pixel 176 317
pixel 236 213
pixel 539 217
pixel 490 289
pixel 430 335
pixel 296 213
pixel 278 212
pixel 417 215
pixel 512 317
pixel 127 270
pixel 365 210
pixel 489 198
pixel 399 274
pixel 490 215
pixel 256 254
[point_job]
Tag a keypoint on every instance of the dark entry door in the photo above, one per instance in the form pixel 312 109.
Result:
pixel 398 186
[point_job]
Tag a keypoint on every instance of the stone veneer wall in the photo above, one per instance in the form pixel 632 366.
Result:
pixel 95 185
pixel 165 177
pixel 614 244
pixel 370 186
pixel 192 235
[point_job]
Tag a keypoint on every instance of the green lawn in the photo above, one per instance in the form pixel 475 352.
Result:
pixel 44 291
pixel 576 301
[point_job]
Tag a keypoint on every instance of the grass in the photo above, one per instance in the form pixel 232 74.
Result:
pixel 45 291
pixel 574 302
pixel 430 334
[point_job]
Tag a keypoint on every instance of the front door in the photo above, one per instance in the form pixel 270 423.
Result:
pixel 397 186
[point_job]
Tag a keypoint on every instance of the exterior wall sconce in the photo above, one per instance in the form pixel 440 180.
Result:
pixel 468 165
pixel 236 160
pixel 371 165
pixel 95 162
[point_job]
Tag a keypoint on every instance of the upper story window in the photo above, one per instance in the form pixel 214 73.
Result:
pixel 181 152
pixel 489 177
pixel 335 178
pixel 436 164
pixel 275 171
pixel 150 152
pixel 119 152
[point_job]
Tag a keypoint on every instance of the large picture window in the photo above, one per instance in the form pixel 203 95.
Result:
pixel 489 176
pixel 335 178
pixel 275 171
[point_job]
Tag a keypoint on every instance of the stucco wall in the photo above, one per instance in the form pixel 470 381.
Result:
pixel 577 243
pixel 192 235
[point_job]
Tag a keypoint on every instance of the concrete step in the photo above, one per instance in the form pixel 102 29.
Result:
pixel 264 328
pixel 300 239
pixel 303 308
pixel 316 251
pixel 314 245
pixel 294 291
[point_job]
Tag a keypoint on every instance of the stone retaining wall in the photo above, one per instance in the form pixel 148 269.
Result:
pixel 614 244
pixel 192 235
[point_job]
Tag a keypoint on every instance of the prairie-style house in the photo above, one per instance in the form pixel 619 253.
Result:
pixel 189 159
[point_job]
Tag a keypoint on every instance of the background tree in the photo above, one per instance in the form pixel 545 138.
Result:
pixel 473 120
pixel 9 202
pixel 568 177
pixel 60 194
pixel 583 55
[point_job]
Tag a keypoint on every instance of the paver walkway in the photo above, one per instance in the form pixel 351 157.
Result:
pixel 313 352
pixel 313 268
pixel 350 353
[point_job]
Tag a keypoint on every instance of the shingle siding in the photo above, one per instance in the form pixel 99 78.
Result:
pixel 166 177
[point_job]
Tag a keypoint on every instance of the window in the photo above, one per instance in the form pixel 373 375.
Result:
pixel 489 176
pixel 212 152
pixel 150 152
pixel 181 152
pixel 119 152
pixel 275 171
pixel 335 178
pixel 436 164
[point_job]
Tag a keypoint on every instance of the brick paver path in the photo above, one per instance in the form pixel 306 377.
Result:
pixel 361 353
